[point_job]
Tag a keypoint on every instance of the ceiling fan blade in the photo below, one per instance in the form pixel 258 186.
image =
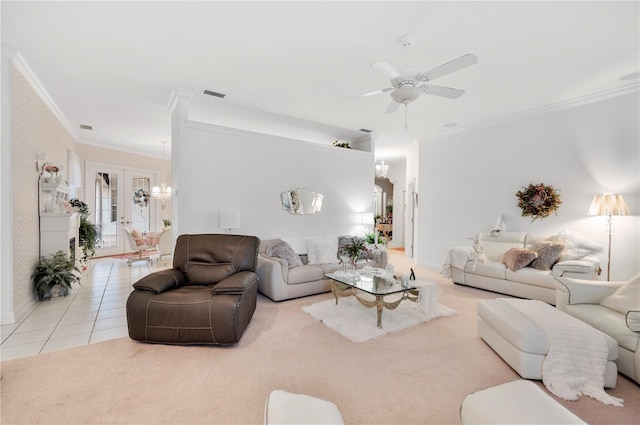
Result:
pixel 454 65
pixel 393 106
pixel 389 71
pixel 367 94
pixel 442 91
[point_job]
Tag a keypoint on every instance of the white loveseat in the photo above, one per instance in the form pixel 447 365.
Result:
pixel 610 307
pixel 280 279
pixel 574 259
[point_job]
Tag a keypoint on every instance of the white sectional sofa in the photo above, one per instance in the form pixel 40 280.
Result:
pixel 574 259
pixel 610 307
pixel 280 279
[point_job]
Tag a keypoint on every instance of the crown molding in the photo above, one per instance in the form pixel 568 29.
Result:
pixel 21 65
pixel 553 107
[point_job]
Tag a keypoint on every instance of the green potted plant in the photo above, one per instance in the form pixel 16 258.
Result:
pixel 353 249
pixel 166 222
pixel 87 232
pixel 370 238
pixel 54 275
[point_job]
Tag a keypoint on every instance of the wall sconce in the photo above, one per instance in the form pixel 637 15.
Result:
pixel 229 220
pixel 608 205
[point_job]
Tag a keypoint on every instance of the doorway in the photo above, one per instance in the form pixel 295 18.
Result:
pixel 383 197
pixel 119 198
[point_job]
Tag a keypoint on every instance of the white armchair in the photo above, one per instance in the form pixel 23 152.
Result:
pixel 138 245
pixel 165 245
pixel 610 307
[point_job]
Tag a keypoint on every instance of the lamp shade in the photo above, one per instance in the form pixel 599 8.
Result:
pixel 608 204
pixel 229 219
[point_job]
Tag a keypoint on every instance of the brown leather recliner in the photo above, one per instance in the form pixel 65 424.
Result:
pixel 208 297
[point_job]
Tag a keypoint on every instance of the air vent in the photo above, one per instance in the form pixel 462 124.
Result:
pixel 86 127
pixel 365 130
pixel 212 93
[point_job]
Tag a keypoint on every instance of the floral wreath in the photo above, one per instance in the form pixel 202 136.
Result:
pixel 538 201
pixel 141 198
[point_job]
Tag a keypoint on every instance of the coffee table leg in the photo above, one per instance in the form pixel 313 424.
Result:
pixel 379 308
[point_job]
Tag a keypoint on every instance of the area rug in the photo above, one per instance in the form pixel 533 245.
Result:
pixel 359 324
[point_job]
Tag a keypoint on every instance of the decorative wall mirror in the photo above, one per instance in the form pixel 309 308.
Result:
pixel 301 201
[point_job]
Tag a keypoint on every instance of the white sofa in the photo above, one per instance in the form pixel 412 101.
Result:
pixel 610 307
pixel 576 260
pixel 279 281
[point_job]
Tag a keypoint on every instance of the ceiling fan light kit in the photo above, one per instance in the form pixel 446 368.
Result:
pixel 408 85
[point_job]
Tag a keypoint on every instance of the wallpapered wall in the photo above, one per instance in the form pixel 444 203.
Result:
pixel 35 129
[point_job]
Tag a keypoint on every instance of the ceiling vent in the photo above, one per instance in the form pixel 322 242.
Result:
pixel 86 127
pixel 365 130
pixel 212 93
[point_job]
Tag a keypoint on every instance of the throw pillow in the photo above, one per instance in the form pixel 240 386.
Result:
pixel 518 258
pixel 548 254
pixel 576 246
pixel 323 250
pixel 138 237
pixel 626 298
pixel 283 250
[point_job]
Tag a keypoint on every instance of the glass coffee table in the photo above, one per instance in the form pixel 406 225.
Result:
pixel 355 283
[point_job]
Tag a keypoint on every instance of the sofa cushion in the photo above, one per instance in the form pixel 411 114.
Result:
pixel 607 321
pixel 533 277
pixel 283 250
pixel 625 298
pixel 303 274
pixel 490 269
pixel 322 250
pixel 517 258
pixel 548 254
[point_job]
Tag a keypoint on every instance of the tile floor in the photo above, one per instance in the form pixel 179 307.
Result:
pixel 92 313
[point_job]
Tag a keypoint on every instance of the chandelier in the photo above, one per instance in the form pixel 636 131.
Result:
pixel 382 169
pixel 163 192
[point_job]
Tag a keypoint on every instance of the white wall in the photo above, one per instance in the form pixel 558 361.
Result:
pixel 467 179
pixel 221 169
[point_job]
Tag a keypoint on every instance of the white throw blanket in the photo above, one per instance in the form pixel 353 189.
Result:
pixel 456 257
pixel 577 358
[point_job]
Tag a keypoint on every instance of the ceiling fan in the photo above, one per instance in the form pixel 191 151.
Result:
pixel 408 85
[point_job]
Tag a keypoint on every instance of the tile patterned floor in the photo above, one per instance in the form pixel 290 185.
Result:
pixel 92 313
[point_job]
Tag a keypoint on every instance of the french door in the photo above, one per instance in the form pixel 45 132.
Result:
pixel 118 198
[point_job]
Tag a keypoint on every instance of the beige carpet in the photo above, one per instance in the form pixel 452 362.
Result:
pixel 416 376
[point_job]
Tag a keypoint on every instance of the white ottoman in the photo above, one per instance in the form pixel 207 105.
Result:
pixel 522 343
pixel 516 402
pixel 287 408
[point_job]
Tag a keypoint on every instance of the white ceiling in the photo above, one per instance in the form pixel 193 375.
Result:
pixel 113 65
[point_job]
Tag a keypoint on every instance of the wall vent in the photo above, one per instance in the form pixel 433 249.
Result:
pixel 86 127
pixel 212 93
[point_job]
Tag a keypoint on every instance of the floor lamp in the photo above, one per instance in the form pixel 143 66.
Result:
pixel 608 205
